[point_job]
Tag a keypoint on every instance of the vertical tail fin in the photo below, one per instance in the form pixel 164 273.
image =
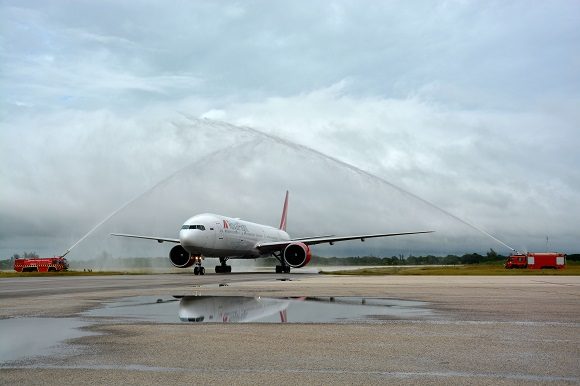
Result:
pixel 284 214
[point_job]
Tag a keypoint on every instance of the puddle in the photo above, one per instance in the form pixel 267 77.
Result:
pixel 143 308
pixel 28 337
pixel 239 309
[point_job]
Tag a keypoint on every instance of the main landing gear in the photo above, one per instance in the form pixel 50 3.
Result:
pixel 223 268
pixel 283 267
pixel 198 269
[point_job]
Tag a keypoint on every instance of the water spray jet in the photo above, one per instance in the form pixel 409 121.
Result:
pixel 257 137
pixel 152 188
pixel 356 170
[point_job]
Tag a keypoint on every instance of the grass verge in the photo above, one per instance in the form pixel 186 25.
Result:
pixel 462 270
pixel 7 274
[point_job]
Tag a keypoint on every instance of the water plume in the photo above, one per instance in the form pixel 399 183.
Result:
pixel 132 200
pixel 246 175
pixel 357 170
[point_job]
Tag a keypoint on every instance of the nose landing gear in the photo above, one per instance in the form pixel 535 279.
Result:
pixel 198 269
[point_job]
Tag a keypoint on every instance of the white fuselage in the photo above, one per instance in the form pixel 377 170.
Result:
pixel 212 235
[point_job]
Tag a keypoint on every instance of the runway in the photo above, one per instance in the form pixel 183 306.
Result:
pixel 38 286
pixel 480 330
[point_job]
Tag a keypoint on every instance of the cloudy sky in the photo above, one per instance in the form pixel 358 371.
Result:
pixel 473 106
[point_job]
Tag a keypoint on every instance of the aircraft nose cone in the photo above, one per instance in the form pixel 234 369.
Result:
pixel 189 238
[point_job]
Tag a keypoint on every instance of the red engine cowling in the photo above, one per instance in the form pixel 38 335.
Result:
pixel 297 255
pixel 180 258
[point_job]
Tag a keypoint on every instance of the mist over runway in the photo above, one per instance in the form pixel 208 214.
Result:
pixel 246 176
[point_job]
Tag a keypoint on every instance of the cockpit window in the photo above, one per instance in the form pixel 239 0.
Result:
pixel 200 227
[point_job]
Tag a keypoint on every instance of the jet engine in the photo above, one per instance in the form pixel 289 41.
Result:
pixel 297 255
pixel 180 257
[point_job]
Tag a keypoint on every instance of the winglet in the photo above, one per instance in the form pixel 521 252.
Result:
pixel 284 214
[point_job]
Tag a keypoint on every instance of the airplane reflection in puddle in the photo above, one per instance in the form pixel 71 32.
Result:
pixel 243 309
pixel 238 309
pixel 234 309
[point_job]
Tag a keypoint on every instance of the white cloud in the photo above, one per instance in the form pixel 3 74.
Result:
pixel 472 106
pixel 496 168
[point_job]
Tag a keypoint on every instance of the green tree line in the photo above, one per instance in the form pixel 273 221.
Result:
pixel 490 257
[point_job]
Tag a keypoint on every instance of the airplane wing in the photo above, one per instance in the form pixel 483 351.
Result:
pixel 277 245
pixel 311 237
pixel 159 239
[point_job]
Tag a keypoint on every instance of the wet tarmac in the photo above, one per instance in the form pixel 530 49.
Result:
pixel 28 337
pixel 257 329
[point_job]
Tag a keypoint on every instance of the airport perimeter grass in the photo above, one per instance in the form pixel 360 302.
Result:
pixel 572 269
pixel 7 274
pixel 460 270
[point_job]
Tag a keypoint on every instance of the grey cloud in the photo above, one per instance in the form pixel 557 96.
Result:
pixel 504 52
pixel 501 169
pixel 470 105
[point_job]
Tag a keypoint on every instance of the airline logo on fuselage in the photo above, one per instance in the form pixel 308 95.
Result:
pixel 234 226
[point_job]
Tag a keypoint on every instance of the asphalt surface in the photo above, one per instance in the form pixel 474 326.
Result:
pixel 487 330
pixel 39 286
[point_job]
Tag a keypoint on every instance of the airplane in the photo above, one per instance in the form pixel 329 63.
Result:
pixel 212 235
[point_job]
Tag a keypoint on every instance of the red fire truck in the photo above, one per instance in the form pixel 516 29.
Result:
pixel 536 260
pixel 50 264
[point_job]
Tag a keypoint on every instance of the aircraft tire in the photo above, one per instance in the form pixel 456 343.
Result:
pixel 201 270
pixel 286 269
pixel 278 269
pixel 218 269
pixel 196 270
